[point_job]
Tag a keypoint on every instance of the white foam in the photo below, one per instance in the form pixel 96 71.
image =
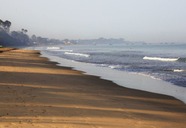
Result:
pixel 125 79
pixel 67 50
pixel 62 50
pixel 114 66
pixel 77 54
pixel 146 75
pixel 160 59
pixel 53 48
pixel 178 70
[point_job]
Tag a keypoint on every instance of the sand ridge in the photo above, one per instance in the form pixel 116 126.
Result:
pixel 35 93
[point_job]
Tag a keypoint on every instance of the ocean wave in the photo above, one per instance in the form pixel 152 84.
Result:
pixel 182 60
pixel 161 59
pixel 146 75
pixel 67 50
pixel 77 54
pixel 53 48
pixel 178 70
pixel 115 66
pixel 174 70
pixel 62 50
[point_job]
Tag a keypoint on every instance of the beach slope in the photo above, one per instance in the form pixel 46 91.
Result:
pixel 35 93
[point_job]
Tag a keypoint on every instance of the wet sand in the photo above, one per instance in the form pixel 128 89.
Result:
pixel 35 93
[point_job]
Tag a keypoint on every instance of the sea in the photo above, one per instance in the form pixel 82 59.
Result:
pixel 158 68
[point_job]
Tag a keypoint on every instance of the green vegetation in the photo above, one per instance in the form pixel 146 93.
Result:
pixel 20 38
pixel 5 25
pixel 13 38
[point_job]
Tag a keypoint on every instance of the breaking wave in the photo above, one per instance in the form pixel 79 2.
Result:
pixel 77 54
pixel 63 50
pixel 161 59
pixel 178 70
pixel 115 66
pixel 53 48
pixel 182 60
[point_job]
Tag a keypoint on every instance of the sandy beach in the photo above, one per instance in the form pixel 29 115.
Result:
pixel 35 93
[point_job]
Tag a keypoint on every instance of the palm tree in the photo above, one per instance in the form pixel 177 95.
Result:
pixel 1 22
pixel 24 30
pixel 7 24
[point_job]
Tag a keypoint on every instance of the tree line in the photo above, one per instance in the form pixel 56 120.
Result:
pixel 20 38
pixel 12 38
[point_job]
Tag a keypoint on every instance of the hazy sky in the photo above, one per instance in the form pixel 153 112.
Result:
pixel 134 20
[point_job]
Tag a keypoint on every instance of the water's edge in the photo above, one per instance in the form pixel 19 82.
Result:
pixel 124 79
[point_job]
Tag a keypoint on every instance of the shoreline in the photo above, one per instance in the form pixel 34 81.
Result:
pixel 37 93
pixel 131 79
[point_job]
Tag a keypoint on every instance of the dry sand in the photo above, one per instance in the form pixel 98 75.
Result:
pixel 35 93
